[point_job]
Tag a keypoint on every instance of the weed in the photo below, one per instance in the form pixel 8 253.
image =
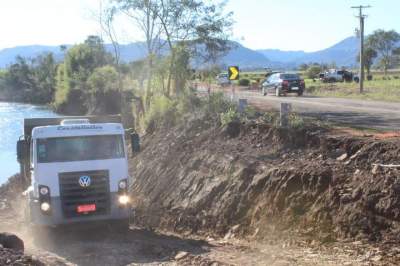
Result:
pixel 296 121
pixel 271 118
pixel 229 116
pixel 244 82
pixel 249 112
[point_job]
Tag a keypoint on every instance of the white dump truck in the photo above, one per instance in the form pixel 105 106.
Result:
pixel 76 169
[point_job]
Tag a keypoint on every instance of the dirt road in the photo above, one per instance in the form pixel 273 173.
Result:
pixel 353 112
pixel 140 247
pixel 101 246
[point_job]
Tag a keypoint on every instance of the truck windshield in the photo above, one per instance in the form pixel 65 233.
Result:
pixel 82 148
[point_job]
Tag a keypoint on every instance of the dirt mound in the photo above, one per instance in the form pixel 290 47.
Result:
pixel 11 203
pixel 196 178
pixel 11 257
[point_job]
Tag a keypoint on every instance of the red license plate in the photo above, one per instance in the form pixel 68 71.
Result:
pixel 86 208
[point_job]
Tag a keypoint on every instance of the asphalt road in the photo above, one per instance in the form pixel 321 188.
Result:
pixel 350 112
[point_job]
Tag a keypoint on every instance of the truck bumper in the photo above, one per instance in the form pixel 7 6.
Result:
pixel 56 217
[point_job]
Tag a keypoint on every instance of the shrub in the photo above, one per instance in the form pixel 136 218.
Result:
pixel 162 111
pixel 229 116
pixel 217 104
pixel 271 118
pixel 249 112
pixel 295 121
pixel 244 82
pixel 313 71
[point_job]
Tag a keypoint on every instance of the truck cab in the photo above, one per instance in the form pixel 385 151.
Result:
pixel 77 171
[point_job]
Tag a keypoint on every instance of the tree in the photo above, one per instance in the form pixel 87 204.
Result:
pixel 313 71
pixel 199 26
pixel 396 52
pixel 30 80
pixel 303 67
pixel 384 43
pixel 369 56
pixel 72 90
pixel 103 90
pixel 143 13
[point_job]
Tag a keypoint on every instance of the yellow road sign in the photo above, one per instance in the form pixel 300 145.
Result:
pixel 233 72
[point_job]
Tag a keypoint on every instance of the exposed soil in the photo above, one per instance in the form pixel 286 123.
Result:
pixel 243 194
pixel 270 183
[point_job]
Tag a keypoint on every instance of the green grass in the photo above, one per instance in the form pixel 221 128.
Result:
pixel 377 89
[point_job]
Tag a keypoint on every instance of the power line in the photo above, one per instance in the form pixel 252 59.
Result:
pixel 361 16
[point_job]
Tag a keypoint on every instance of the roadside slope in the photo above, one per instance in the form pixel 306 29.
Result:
pixel 197 178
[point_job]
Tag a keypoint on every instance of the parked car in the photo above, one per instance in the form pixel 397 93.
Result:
pixel 356 78
pixel 333 75
pixel 223 79
pixel 283 83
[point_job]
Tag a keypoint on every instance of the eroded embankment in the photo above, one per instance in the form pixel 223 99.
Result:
pixel 197 178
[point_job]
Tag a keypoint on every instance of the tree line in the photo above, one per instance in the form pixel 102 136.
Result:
pixel 382 50
pixel 90 80
pixel 29 80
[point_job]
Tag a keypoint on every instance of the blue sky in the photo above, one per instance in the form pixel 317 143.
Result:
pixel 284 24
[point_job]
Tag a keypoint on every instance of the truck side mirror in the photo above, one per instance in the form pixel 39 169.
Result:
pixel 135 142
pixel 22 150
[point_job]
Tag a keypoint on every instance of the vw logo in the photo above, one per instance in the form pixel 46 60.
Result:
pixel 84 181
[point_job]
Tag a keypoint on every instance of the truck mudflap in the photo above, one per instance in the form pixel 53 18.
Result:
pixel 56 216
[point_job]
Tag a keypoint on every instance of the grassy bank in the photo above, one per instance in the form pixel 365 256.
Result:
pixel 378 89
pixel 381 88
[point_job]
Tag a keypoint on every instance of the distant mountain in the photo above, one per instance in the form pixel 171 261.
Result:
pixel 8 55
pixel 239 55
pixel 129 52
pixel 342 53
pixel 282 56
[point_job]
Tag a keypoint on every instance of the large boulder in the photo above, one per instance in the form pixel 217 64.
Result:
pixel 11 241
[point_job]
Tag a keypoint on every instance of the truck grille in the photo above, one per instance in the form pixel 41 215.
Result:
pixel 72 194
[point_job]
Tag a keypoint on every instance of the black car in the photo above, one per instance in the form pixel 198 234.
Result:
pixel 283 83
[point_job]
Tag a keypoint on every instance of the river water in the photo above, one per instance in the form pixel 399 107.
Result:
pixel 11 120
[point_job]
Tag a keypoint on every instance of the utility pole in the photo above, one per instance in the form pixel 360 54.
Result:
pixel 361 16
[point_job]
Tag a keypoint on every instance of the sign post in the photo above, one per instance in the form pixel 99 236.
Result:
pixel 233 74
pixel 286 109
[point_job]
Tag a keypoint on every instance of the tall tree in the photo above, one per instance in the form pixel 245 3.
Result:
pixel 197 25
pixel 384 43
pixel 73 92
pixel 45 71
pixel 369 56
pixel 144 15
pixel 200 27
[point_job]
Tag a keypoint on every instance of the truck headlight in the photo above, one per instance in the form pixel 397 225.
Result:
pixel 45 206
pixel 123 199
pixel 122 184
pixel 43 190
